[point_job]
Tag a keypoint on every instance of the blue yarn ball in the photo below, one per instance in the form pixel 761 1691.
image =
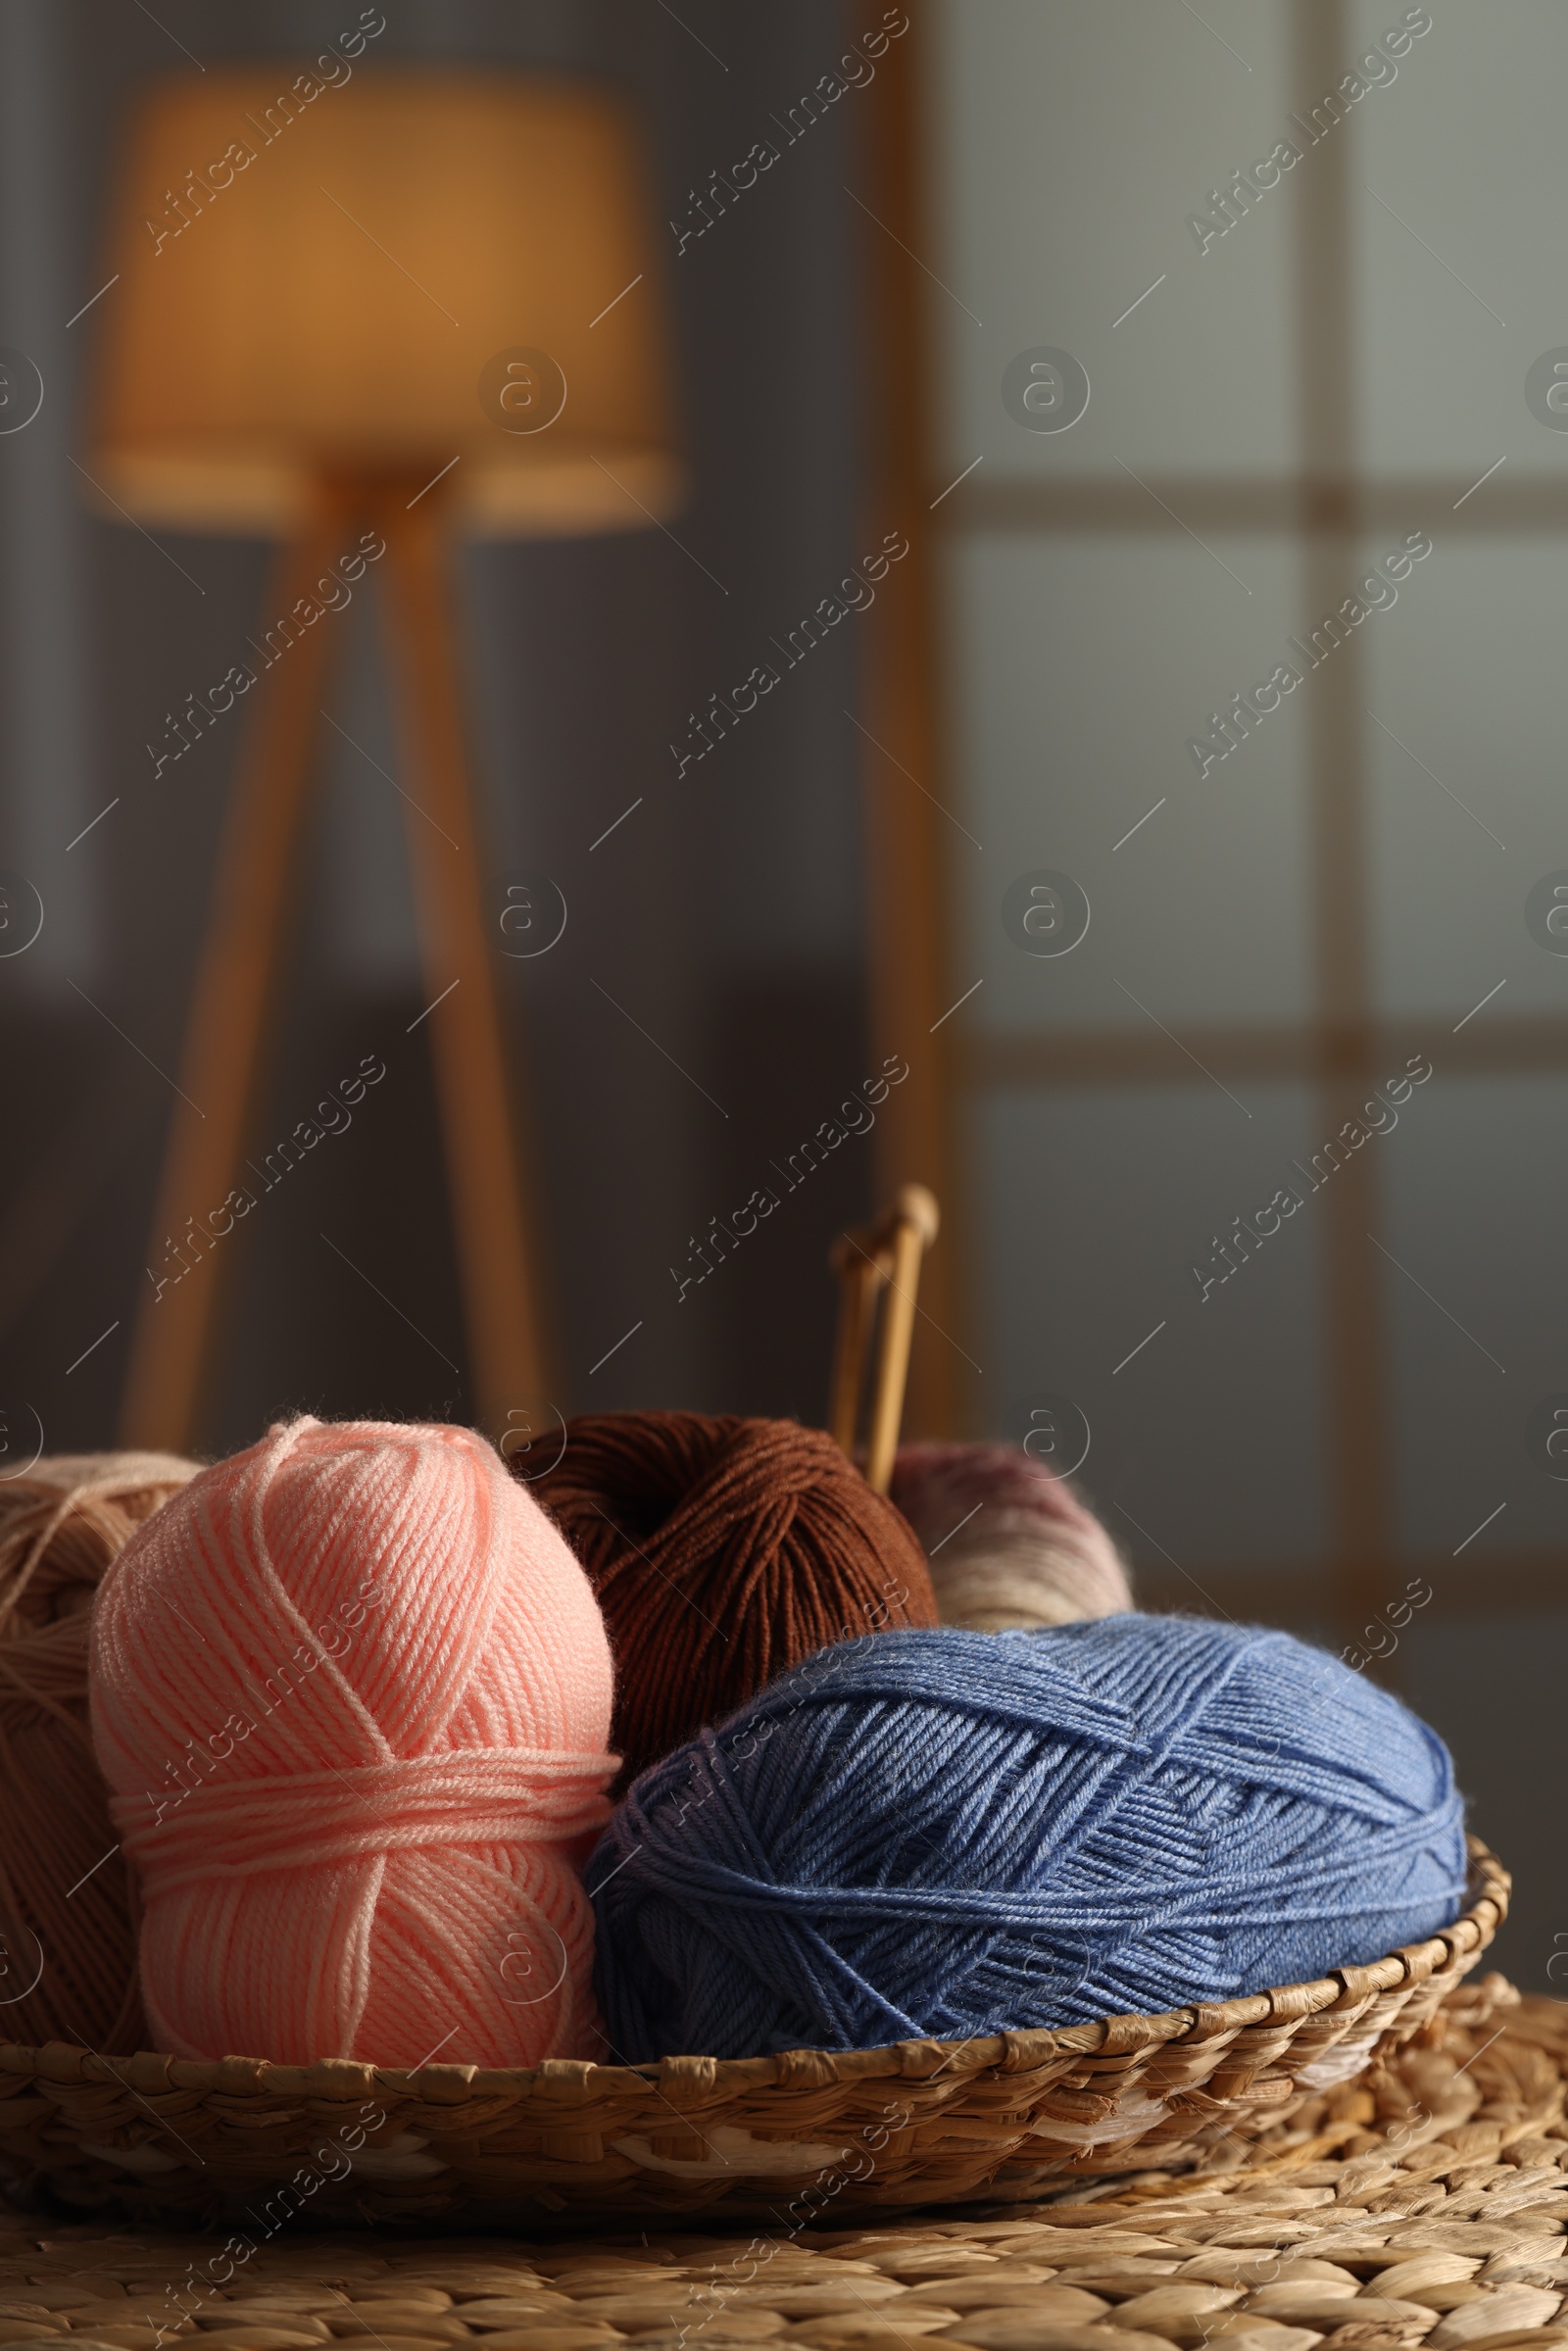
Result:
pixel 953 1834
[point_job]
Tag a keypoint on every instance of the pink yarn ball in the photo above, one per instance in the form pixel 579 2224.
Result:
pixel 1011 1549
pixel 351 1692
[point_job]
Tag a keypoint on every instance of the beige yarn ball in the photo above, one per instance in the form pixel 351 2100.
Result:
pixel 1010 1548
pixel 68 1931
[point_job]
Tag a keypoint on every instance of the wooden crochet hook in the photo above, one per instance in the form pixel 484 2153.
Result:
pixel 882 1256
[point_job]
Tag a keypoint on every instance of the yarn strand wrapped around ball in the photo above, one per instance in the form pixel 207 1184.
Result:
pixel 351 1693
pixel 722 1552
pixel 953 1834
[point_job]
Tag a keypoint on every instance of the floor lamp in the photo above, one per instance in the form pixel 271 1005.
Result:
pixel 356 311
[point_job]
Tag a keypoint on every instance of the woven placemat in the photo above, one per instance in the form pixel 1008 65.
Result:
pixel 1427 2206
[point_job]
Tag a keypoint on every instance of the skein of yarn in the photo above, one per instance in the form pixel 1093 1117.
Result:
pixel 1010 1547
pixel 68 1938
pixel 954 1833
pixel 351 1693
pixel 723 1551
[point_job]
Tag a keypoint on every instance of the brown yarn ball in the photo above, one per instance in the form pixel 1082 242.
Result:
pixel 66 1897
pixel 723 1551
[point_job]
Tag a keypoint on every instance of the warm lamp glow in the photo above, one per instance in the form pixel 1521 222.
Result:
pixel 361 281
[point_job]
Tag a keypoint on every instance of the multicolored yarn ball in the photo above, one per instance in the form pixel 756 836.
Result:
pixel 722 1552
pixel 1010 1547
pixel 351 1693
pixel 67 1935
pixel 954 1833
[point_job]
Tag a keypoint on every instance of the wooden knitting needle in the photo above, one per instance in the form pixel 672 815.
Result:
pixel 860 1277
pixel 911 1227
pixel 887 1257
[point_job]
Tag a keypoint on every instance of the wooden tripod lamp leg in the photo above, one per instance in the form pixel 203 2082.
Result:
pixel 485 1173
pixel 230 1002
pixel 914 1226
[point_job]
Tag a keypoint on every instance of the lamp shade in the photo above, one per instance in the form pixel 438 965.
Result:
pixel 358 272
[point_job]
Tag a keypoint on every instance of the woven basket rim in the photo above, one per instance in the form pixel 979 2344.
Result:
pixel 572 2080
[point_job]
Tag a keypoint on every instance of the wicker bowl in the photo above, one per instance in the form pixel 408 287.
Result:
pixel 786 2138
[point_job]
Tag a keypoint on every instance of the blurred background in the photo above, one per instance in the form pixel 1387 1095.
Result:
pixel 1149 342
